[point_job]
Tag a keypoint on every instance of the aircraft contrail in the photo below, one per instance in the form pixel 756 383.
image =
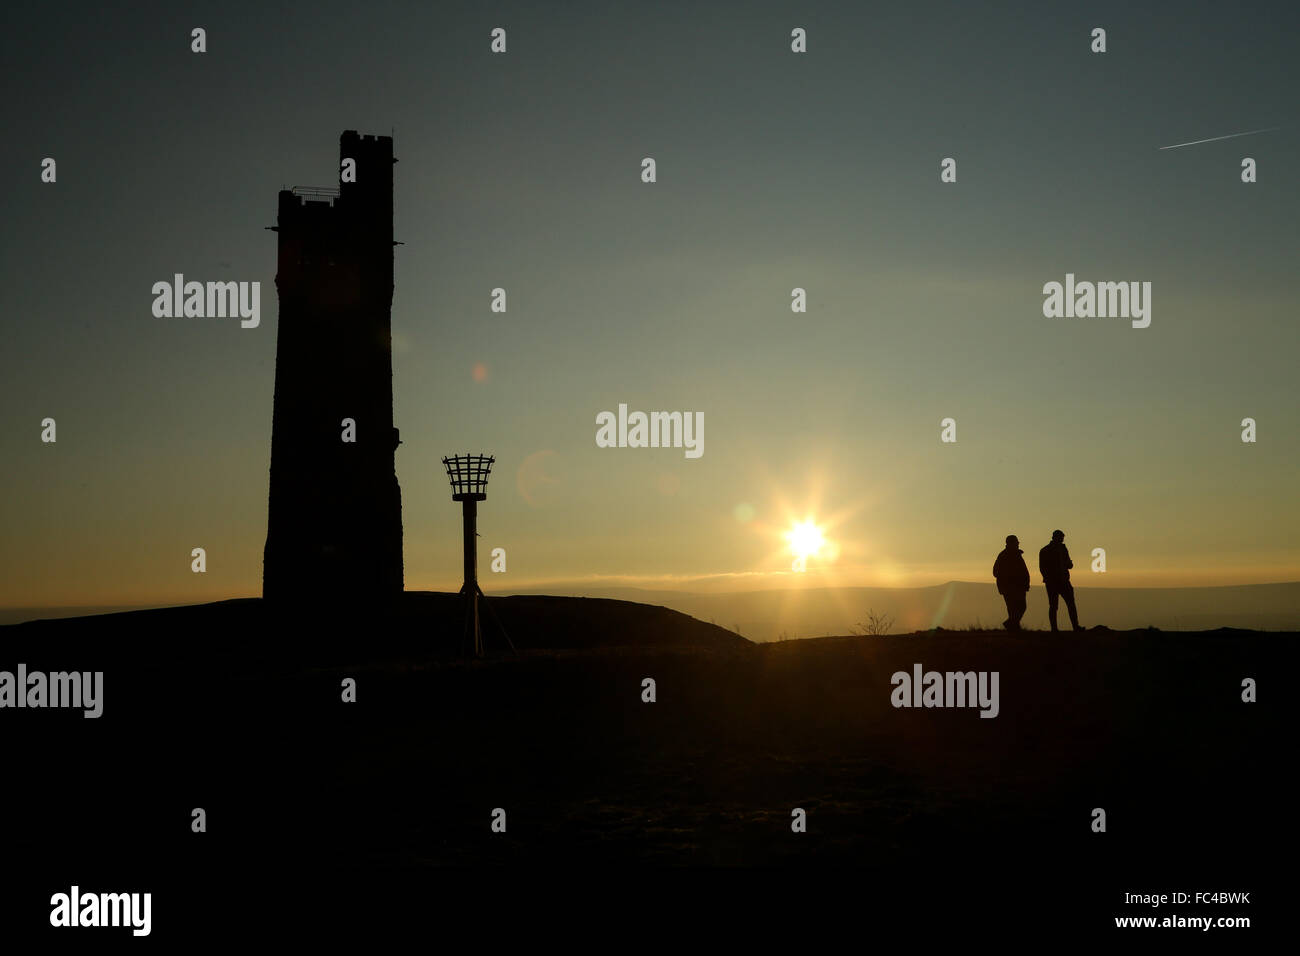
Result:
pixel 1229 136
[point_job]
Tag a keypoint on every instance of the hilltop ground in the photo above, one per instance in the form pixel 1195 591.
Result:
pixel 229 708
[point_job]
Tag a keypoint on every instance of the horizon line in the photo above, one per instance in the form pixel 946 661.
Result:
pixel 540 592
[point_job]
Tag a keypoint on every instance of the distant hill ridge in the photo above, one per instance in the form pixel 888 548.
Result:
pixel 816 612
pixel 420 620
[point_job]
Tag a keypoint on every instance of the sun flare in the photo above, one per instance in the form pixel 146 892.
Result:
pixel 805 533
pixel 805 539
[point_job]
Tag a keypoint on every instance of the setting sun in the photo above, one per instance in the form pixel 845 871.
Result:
pixel 805 541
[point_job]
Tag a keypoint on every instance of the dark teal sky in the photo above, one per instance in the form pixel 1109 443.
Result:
pixel 775 170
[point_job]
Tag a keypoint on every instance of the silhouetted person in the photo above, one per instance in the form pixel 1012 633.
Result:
pixel 1054 564
pixel 1012 575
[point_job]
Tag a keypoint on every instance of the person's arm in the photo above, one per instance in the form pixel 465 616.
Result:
pixel 1068 563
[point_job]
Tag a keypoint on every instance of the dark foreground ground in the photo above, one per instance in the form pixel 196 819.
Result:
pixel 315 806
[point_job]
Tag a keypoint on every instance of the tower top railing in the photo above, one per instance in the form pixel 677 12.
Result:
pixel 468 474
pixel 317 192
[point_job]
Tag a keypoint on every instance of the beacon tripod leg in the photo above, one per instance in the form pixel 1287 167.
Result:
pixel 496 620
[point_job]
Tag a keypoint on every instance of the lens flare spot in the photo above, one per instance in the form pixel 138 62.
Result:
pixel 537 480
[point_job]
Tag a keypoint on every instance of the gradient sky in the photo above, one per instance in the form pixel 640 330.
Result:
pixel 775 170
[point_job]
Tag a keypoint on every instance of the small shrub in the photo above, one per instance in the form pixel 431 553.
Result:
pixel 876 625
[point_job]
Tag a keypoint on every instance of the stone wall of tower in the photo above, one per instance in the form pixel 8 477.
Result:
pixel 334 525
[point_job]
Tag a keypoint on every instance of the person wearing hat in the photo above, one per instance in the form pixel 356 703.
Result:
pixel 1054 564
pixel 1012 575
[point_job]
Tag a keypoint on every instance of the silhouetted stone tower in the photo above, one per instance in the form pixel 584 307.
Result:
pixel 335 513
